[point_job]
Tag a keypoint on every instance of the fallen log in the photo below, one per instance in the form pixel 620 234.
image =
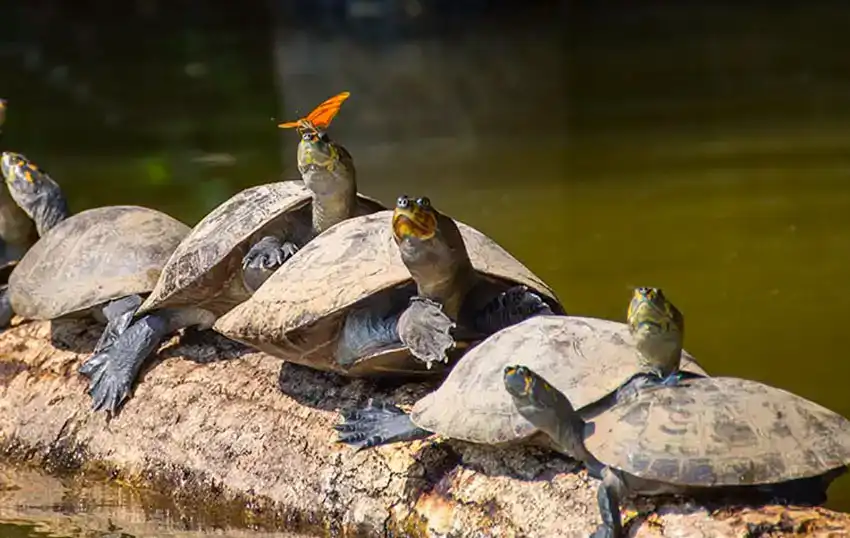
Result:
pixel 237 432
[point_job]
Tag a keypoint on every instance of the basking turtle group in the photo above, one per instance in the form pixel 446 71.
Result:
pixel 318 274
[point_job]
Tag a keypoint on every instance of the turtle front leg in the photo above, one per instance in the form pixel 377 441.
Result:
pixel 509 308
pixel 377 424
pixel 608 497
pixel 426 330
pixel 112 371
pixel 263 259
pixel 119 314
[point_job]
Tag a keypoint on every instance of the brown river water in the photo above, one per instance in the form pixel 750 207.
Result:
pixel 706 151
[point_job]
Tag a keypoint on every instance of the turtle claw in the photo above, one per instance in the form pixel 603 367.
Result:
pixel 264 258
pixel 377 424
pixel 113 370
pixel 107 392
pixel 426 330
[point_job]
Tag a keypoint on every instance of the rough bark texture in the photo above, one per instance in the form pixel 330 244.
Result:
pixel 244 435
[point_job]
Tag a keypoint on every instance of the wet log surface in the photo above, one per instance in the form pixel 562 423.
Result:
pixel 249 439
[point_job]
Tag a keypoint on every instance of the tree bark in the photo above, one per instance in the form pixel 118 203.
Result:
pixel 240 432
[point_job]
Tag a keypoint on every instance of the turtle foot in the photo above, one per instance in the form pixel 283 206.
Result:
pixel 510 307
pixel 112 371
pixel 426 330
pixel 377 424
pixel 119 315
pixel 264 258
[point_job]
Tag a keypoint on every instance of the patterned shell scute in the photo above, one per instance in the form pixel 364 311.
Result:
pixel 218 235
pixel 345 264
pixel 721 431
pixel 93 257
pixel 585 358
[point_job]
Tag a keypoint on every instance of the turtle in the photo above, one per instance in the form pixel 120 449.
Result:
pixel 393 293
pixel 226 257
pixel 593 360
pixel 701 436
pixel 97 262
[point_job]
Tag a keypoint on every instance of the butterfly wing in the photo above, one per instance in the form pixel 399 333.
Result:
pixel 321 116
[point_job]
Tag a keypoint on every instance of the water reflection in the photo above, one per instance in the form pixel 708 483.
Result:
pixel 34 505
pixel 704 150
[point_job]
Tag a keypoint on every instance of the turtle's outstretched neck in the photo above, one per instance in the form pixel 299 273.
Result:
pixel 334 207
pixel 328 171
pixel 34 191
pixel 50 213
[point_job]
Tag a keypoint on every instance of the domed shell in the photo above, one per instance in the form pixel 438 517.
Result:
pixel 585 358
pixel 93 257
pixel 295 313
pixel 721 431
pixel 211 255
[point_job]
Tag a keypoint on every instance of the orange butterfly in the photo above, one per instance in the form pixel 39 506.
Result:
pixel 321 116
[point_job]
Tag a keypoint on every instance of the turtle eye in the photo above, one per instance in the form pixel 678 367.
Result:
pixel 424 202
pixel 403 201
pixel 307 136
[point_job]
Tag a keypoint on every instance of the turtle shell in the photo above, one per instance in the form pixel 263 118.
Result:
pixel 91 258
pixel 297 312
pixel 202 267
pixel 720 431
pixel 585 358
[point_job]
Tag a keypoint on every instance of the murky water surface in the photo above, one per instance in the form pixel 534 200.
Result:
pixel 707 152
pixel 35 505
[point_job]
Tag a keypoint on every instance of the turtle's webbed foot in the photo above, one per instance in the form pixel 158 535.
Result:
pixel 264 258
pixel 377 424
pixel 509 308
pixel 106 389
pixel 426 330
pixel 112 371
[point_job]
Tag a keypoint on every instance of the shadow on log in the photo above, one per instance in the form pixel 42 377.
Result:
pixel 244 435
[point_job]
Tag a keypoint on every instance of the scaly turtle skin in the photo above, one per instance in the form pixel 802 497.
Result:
pixel 388 294
pixel 226 257
pixel 96 262
pixel 714 435
pixel 592 360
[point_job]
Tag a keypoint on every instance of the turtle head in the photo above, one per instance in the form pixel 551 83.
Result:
pixel 658 327
pixel 326 166
pixel 549 410
pixel 649 306
pixel 33 191
pixel 433 250
pixel 531 392
pixel 414 219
